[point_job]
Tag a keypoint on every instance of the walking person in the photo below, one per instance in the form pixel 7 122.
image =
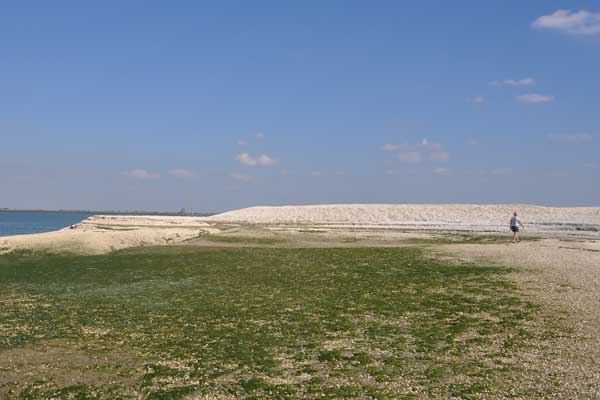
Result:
pixel 515 225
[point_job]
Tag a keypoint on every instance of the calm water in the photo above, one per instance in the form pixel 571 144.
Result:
pixel 19 223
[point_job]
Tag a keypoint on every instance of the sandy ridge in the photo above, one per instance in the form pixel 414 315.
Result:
pixel 443 216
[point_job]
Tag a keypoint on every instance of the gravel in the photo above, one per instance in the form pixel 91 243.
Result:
pixel 563 277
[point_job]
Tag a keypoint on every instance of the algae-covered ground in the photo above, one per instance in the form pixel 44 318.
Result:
pixel 261 323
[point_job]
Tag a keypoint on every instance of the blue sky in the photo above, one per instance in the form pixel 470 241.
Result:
pixel 219 105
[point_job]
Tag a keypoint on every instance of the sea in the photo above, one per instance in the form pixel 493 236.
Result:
pixel 21 223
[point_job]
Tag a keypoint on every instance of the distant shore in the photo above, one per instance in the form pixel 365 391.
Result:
pixel 110 212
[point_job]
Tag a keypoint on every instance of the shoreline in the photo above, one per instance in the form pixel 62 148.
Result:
pixel 106 212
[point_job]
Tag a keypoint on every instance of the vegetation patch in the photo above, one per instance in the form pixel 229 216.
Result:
pixel 244 239
pixel 259 323
pixel 466 239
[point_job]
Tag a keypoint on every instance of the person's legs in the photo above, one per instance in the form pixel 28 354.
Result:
pixel 515 234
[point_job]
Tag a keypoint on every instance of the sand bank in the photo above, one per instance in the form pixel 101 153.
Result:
pixel 103 234
pixel 483 218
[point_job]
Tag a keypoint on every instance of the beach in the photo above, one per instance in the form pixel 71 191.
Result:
pixel 465 310
pixel 104 233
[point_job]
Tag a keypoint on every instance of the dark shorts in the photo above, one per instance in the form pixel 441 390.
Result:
pixel 515 229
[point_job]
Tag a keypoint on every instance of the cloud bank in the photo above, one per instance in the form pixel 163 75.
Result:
pixel 263 161
pixel 579 23
pixel 534 98
pixel 515 82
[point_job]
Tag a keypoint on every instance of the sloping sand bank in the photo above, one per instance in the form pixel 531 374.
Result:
pixel 103 234
pixel 489 218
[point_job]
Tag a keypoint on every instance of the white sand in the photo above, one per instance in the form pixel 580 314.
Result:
pixel 102 234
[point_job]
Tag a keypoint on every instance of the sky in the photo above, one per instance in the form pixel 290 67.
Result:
pixel 211 106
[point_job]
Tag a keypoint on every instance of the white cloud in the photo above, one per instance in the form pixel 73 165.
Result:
pixel 266 161
pixel 316 173
pixel 141 174
pixel 263 160
pixel 580 23
pixel 181 173
pixel 441 171
pixel 569 137
pixel 417 153
pixel 240 177
pixel 242 143
pixel 259 136
pixel 245 159
pixel 515 82
pixel 533 98
pixel 477 100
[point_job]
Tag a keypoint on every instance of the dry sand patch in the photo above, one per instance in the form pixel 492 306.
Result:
pixel 59 363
